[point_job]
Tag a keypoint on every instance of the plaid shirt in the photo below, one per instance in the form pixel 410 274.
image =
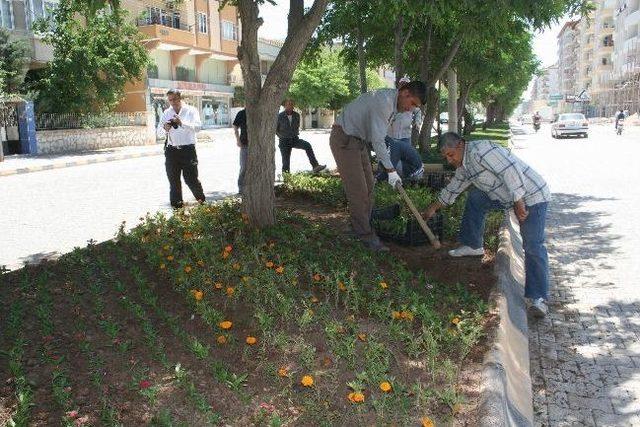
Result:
pixel 496 171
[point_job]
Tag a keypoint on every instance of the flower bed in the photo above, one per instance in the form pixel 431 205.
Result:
pixel 199 319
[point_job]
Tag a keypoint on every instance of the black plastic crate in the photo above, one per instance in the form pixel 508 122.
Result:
pixel 438 180
pixel 413 234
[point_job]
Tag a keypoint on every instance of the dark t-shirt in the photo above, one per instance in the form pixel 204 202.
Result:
pixel 241 122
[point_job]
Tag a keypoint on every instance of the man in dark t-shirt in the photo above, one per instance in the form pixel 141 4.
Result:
pixel 240 129
pixel 288 130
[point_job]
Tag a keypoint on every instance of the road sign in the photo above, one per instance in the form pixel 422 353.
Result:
pixel 556 97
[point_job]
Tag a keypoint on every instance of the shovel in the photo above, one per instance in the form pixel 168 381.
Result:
pixel 432 237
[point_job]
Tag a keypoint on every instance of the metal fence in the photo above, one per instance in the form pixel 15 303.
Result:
pixel 52 121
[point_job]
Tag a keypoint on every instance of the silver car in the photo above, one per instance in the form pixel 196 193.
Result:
pixel 569 124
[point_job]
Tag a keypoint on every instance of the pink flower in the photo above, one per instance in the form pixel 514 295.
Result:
pixel 72 414
pixel 144 384
pixel 267 407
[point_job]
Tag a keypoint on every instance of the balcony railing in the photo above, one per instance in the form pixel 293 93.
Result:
pixel 164 21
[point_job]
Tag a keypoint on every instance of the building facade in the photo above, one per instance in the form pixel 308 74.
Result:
pixel 18 17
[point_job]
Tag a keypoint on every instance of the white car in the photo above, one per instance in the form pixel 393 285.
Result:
pixel 569 124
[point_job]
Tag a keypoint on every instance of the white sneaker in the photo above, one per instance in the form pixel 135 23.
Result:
pixel 466 251
pixel 538 308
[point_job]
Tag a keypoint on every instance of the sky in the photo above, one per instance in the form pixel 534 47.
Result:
pixel 545 43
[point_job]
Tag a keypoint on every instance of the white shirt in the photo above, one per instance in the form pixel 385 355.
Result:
pixel 400 127
pixel 185 134
pixel 368 117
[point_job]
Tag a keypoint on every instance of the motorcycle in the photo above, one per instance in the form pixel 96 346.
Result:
pixel 619 127
pixel 536 126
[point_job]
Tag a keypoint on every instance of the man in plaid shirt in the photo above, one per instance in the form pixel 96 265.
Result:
pixel 500 180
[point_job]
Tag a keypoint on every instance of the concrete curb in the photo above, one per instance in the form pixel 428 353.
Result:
pixel 506 397
pixel 80 162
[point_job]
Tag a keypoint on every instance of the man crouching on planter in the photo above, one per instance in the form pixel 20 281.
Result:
pixel 500 180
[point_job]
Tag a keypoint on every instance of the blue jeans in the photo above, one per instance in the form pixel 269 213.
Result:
pixel 536 261
pixel 401 150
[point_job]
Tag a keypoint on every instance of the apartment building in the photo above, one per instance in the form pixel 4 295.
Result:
pixel 193 48
pixel 625 57
pixel 602 67
pixel 18 17
pixel 568 51
pixel 546 86
pixel 586 34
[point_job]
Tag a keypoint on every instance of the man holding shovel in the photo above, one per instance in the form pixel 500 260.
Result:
pixel 367 118
pixel 500 180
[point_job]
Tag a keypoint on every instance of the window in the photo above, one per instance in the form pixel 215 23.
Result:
pixel 202 23
pixel 6 14
pixel 229 31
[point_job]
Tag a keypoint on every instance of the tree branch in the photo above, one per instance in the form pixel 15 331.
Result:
pixel 296 14
pixel 453 50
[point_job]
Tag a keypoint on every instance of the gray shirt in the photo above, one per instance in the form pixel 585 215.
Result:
pixel 368 117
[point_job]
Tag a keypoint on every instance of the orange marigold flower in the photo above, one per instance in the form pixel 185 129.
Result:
pixel 317 277
pixel 280 270
pixel 187 268
pixel 163 266
pixel 427 422
pixel 406 315
pixel 197 294
pixel 396 315
pixel 269 264
pixel 362 336
pixel 355 397
pixel 251 340
pixel 218 285
pixel 307 381
pixel 342 286
pixel 221 339
pixel 169 257
pixel 384 285
pixel 230 291
pixel 200 263
pixel 225 324
pixel 228 248
pixel 455 320
pixel 314 299
pixel 187 235
pixel 225 255
pixel 385 386
pixel 283 372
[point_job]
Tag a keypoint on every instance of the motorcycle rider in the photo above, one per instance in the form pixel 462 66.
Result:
pixel 619 117
pixel 537 118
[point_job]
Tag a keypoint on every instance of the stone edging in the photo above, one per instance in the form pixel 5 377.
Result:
pixel 506 397
pixel 80 162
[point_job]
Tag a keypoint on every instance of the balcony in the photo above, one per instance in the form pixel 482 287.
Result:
pixel 173 33
pixel 194 88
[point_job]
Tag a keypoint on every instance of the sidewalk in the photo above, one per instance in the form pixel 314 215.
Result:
pixel 25 163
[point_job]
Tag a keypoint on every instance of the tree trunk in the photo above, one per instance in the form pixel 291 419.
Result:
pixel 397 49
pixel 362 62
pixel 465 89
pixel 429 112
pixel 491 113
pixel 263 100
pixel 469 125
pixel 452 87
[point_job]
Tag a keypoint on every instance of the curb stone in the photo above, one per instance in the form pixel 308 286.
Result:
pixel 506 395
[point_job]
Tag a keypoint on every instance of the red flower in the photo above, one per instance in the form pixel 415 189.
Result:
pixel 144 384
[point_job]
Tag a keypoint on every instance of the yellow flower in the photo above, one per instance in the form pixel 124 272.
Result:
pixel 396 315
pixel 166 247
pixel 163 266
pixel 280 270
pixel 245 278
pixel 384 285
pixel 218 285
pixel 362 336
pixel 342 286
pixel 200 263
pixel 169 257
pixel 187 268
pixel 269 264
pixel 455 320
pixel 427 422
pixel 225 324
pixel 456 408
pixel 307 381
pixel 385 386
pixel 251 340
pixel 407 315
pixel 236 266
pixel 230 291
pixel 221 339
pixel 284 372
pixel 197 294
pixel 355 397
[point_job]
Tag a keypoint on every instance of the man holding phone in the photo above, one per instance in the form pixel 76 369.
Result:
pixel 178 125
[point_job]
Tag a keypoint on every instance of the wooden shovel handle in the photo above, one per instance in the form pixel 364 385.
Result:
pixel 432 237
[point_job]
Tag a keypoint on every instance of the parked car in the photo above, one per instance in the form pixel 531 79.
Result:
pixel 569 124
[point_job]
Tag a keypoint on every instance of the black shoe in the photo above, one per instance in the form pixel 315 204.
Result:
pixel 179 205
pixel 318 168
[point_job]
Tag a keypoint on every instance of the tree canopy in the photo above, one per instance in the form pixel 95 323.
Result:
pixel 14 57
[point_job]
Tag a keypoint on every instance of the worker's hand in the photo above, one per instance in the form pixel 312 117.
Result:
pixel 431 210
pixel 521 210
pixel 176 119
pixel 394 179
pixel 167 127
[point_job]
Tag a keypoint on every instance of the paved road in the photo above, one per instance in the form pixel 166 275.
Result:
pixel 50 212
pixel 585 357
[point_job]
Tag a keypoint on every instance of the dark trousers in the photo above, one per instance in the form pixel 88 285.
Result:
pixel 288 144
pixel 183 161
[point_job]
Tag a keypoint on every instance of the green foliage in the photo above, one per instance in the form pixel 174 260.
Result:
pixel 92 62
pixel 14 58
